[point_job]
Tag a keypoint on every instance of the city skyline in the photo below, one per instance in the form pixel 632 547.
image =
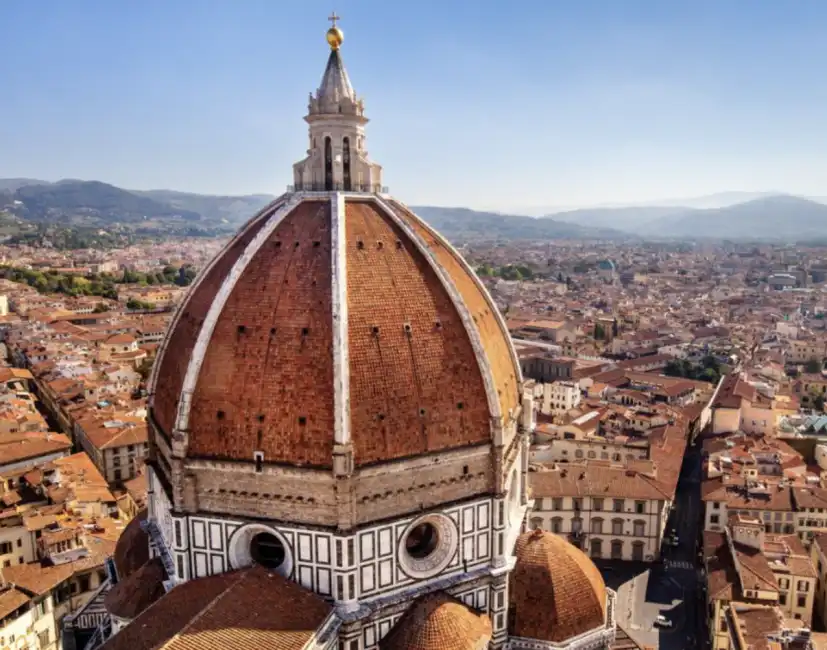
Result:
pixel 554 106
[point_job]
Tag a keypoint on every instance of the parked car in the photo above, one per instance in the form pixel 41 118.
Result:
pixel 662 621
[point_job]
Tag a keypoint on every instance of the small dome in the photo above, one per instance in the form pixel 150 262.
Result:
pixel 439 622
pixel 132 549
pixel 139 590
pixel 556 591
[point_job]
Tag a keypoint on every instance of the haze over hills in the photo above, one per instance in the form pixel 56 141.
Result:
pixel 760 216
pixel 96 203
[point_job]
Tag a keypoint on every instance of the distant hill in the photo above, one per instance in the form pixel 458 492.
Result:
pixel 233 210
pixel 94 204
pixel 85 201
pixel 780 217
pixel 627 218
pixel 464 224
pixel 13 184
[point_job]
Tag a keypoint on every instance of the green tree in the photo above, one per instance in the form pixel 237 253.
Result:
pixel 100 308
pixel 599 332
pixel 813 366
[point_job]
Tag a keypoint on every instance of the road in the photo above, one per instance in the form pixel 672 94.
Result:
pixel 671 587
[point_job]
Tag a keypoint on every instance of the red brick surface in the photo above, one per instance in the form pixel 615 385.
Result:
pixel 182 338
pixel 270 386
pixel 496 344
pixel 410 392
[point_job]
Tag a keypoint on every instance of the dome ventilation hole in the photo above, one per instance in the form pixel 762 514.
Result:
pixel 360 244
pixel 302 420
pixel 305 331
pixel 379 245
pixel 375 330
pixel 220 415
pixel 316 244
pixel 241 329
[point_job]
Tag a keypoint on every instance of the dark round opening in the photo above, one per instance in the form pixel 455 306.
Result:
pixel 422 541
pixel 267 550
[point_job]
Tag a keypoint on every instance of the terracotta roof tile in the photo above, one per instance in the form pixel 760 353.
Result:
pixel 132 550
pixel 438 621
pixel 251 609
pixel 556 590
pixel 137 591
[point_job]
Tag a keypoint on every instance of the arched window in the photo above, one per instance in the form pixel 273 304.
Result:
pixel 557 525
pixel 536 523
pixel 617 549
pixel 597 525
pixel 617 526
pixel 328 164
pixel 346 163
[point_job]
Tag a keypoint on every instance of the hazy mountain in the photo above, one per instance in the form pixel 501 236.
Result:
pixel 779 217
pixel 13 184
pixel 462 224
pixel 90 201
pixel 226 209
pixel 629 219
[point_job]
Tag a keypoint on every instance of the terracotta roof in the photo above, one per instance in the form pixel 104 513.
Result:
pixel 35 578
pixel 594 479
pixel 18 447
pixel 438 621
pixel 11 600
pixel 132 550
pixel 137 591
pixel 250 609
pixel 416 385
pixel 556 591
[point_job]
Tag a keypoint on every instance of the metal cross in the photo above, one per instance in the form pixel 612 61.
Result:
pixel 333 18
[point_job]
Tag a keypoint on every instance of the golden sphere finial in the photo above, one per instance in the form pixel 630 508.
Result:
pixel 334 34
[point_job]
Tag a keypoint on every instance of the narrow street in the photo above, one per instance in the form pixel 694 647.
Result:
pixel 672 587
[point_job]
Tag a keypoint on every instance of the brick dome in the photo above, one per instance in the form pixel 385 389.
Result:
pixel 334 319
pixel 556 591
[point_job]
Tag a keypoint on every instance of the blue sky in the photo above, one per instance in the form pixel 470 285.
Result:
pixel 484 104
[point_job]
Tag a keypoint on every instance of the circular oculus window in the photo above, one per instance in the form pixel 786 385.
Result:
pixel 427 546
pixel 262 545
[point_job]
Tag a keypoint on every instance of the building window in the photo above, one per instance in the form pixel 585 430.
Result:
pixel 715 505
pixel 617 526
pixel 617 549
pixel 557 503
pixel 782 599
pixel 576 525
pixel 597 548
pixel 618 505
pixel 557 525
pixel 803 585
pixel 536 523
pixel 713 519
pixel 802 601
pixel 5 547
pixel 640 507
pixel 640 528
pixel 577 504
pixel 597 504
pixel 578 453
pixel 597 526
pixel 637 551
pixel 268 551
